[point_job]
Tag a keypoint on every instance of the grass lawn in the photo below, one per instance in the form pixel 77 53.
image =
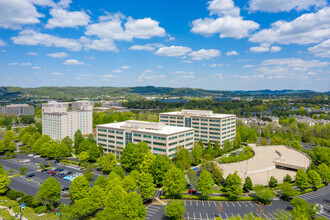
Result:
pixel 28 212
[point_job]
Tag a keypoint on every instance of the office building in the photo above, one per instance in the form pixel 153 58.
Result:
pixel 208 126
pixel 78 104
pixel 17 109
pixel 161 139
pixel 58 122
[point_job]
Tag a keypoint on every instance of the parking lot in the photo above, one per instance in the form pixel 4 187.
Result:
pixel 31 185
pixel 210 209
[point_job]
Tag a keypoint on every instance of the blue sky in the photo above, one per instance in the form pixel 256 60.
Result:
pixel 218 44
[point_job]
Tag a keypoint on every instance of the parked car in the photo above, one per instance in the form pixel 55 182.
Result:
pixel 30 175
pixel 30 155
pixel 51 172
pixel 65 188
pixel 44 170
pixel 192 191
pixel 36 156
pixel 56 161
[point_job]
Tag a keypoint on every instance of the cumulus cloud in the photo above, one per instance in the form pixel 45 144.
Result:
pixel 117 71
pixel 16 13
pixel 265 48
pixel 275 49
pixel 218 75
pixel 147 47
pixel 26 64
pixel 215 65
pixel 63 18
pixel 232 53
pixel 44 3
pixel 145 76
pixel 56 74
pixel 101 45
pixel 73 62
pixel 36 67
pixel 2 43
pixel 31 37
pixel 284 5
pixel 307 28
pixel 117 27
pixel 58 55
pixel 173 51
pixel 321 50
pixel 32 53
pixel 204 54
pixel 228 24
pixel 125 67
pixel 109 76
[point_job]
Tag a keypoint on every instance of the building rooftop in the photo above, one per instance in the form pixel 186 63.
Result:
pixel 200 113
pixel 145 126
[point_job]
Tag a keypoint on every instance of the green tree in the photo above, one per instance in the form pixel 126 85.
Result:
pixel 324 172
pixel 233 185
pixel 101 181
pixel 174 182
pixel 263 142
pixel 107 162
pixel 22 170
pixel 314 178
pixel 248 184
pixel 63 150
pixel 183 156
pixel 216 149
pixel 217 173
pixel 295 144
pixel 192 176
pixel 96 198
pixel 133 155
pixel 147 186
pixel 301 179
pixel 83 157
pixel 272 182
pixel 94 151
pixel 197 154
pixel 302 209
pixel 50 191
pixel 67 141
pixel 130 184
pixel 78 139
pixel 4 180
pixel 88 175
pixel 119 171
pixel 79 188
pixel 205 183
pixel 146 162
pixel 175 209
pixel 264 194
pixel 287 179
pixel 159 167
pixel 287 191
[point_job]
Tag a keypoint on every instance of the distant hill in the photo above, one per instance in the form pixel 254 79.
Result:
pixel 93 92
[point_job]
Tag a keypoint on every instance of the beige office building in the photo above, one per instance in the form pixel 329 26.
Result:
pixel 161 139
pixel 208 126
pixel 58 122
pixel 17 109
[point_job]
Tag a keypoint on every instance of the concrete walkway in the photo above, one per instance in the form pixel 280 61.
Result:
pixel 11 212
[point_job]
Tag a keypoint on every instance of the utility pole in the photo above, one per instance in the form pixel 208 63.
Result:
pixel 20 211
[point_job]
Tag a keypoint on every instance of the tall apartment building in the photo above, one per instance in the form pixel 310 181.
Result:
pixel 58 122
pixel 160 138
pixel 208 126
pixel 17 109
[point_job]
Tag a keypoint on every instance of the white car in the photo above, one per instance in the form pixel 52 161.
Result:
pixel 36 156
pixel 30 155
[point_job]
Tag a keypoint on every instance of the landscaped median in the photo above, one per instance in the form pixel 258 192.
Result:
pixel 212 198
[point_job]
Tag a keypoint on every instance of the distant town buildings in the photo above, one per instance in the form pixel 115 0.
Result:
pixel 58 122
pixel 161 139
pixel 111 104
pixel 208 126
pixel 17 109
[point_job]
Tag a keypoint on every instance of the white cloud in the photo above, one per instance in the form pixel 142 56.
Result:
pixel 111 27
pixel 125 67
pixel 260 49
pixel 147 47
pixel 78 78
pixel 172 51
pixel 64 3
pixel 306 29
pixel 63 18
pixel 182 72
pixel 218 75
pixel 232 53
pixel 86 75
pixel 187 77
pixel 44 3
pixel 109 76
pixel 321 50
pixel 248 66
pixel 73 62
pixel 22 64
pixel 56 74
pixel 58 55
pixel 223 8
pixel 2 43
pixel 101 45
pixel 117 71
pixel 204 54
pixel 32 53
pixel 16 13
pixel 284 5
pixel 159 66
pixel 215 65
pixel 13 64
pixel 31 37
pixel 169 37
pixel 145 76
pixel 275 49
pixel 228 24
pixel 36 67
pixel 26 64
pixel 148 71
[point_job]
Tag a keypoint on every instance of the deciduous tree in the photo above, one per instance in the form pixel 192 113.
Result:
pixel 205 183
pixel 175 209
pixel 147 186
pixel 50 191
pixel 174 182
pixel 79 188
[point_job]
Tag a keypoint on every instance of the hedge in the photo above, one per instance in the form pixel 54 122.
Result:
pixel 40 209
pixel 13 195
pixel 213 198
pixel 70 161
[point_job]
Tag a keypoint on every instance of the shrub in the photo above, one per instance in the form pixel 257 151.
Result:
pixel 40 209
pixel 28 200
pixel 13 195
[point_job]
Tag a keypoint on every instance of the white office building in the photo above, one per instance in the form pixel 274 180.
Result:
pixel 17 109
pixel 208 126
pixel 161 139
pixel 58 122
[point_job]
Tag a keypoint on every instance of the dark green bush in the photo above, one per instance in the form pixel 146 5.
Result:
pixel 13 195
pixel 28 200
pixel 40 209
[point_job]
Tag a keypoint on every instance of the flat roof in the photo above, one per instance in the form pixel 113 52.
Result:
pixel 199 114
pixel 142 126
